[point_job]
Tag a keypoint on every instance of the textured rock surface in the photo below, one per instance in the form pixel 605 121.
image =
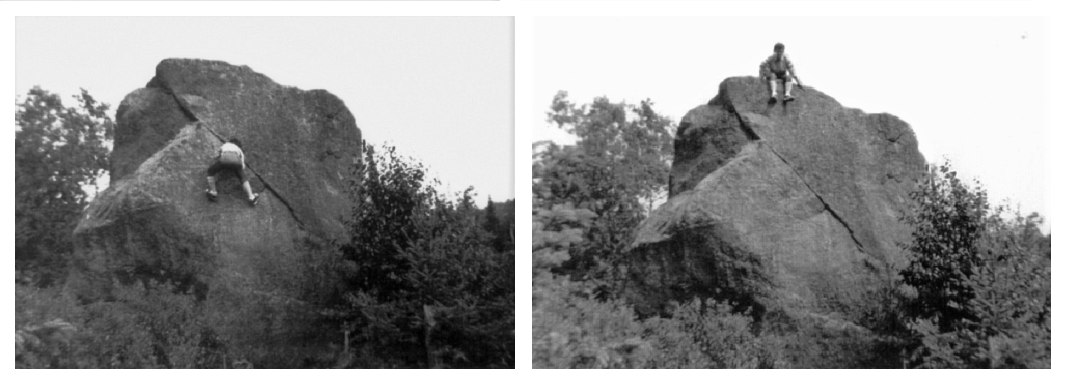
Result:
pixel 154 221
pixel 790 208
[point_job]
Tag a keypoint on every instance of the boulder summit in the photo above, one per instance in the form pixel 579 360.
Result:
pixel 786 208
pixel 248 265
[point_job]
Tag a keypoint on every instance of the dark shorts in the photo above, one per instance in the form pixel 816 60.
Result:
pixel 220 166
pixel 779 75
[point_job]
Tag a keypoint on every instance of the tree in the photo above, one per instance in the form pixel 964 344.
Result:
pixel 388 192
pixel 948 222
pixel 463 286
pixel 424 285
pixel 983 280
pixel 500 222
pixel 617 157
pixel 618 168
pixel 59 153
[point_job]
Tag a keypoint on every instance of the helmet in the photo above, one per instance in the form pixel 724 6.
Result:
pixel 778 46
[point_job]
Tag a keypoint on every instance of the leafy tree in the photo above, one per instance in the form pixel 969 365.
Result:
pixel 618 168
pixel 616 159
pixel 983 282
pixel 389 192
pixel 59 152
pixel 464 288
pixel 948 220
pixel 500 222
pixel 424 284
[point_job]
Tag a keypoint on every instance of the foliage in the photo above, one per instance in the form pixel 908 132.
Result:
pixel 704 335
pixel 984 282
pixel 388 192
pixel 500 223
pixel 146 326
pixel 947 224
pixel 572 329
pixel 617 169
pixel 59 151
pixel 615 158
pixel 425 286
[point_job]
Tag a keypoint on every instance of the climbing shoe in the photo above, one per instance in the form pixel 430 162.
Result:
pixel 773 99
pixel 212 196
pixel 254 200
pixel 788 98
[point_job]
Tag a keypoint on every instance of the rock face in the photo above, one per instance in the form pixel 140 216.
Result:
pixel 792 208
pixel 247 264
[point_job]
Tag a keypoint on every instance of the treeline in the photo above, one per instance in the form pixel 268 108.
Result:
pixel 428 282
pixel 60 154
pixel 424 280
pixel 976 292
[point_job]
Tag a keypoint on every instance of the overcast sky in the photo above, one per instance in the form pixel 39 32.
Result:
pixel 439 89
pixel 974 90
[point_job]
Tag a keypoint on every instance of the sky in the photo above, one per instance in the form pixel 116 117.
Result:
pixel 974 90
pixel 440 89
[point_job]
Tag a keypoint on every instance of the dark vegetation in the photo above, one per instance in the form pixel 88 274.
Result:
pixel 976 292
pixel 58 151
pixel 426 280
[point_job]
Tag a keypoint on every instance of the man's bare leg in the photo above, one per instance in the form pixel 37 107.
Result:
pixel 773 85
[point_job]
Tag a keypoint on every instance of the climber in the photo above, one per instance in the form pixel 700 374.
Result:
pixel 230 157
pixel 779 67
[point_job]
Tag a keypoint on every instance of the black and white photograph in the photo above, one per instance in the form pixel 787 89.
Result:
pixel 264 192
pixel 791 192
pixel 751 193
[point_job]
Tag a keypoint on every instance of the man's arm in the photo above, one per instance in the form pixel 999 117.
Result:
pixel 793 72
pixel 790 67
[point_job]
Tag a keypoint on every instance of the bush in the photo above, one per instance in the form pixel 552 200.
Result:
pixel 984 283
pixel 60 152
pixel 146 326
pixel 425 283
pixel 704 335
pixel 573 329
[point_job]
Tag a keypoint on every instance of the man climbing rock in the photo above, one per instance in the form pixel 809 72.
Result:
pixel 778 67
pixel 230 157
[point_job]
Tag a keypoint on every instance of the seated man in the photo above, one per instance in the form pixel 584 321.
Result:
pixel 231 158
pixel 778 67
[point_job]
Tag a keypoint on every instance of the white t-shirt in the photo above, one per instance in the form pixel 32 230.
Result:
pixel 231 147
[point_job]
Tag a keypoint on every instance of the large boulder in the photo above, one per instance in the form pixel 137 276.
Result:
pixel 791 209
pixel 250 266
